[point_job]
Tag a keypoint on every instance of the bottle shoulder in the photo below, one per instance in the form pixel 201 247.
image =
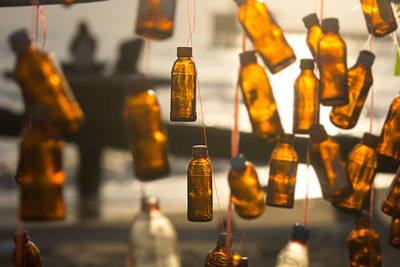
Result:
pixel 284 152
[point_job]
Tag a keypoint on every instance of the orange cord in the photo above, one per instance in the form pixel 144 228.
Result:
pixel 243 236
pixel 322 10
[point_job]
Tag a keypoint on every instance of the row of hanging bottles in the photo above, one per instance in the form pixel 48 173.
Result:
pixel 346 183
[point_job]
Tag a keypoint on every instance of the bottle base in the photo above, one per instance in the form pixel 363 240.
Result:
pixel 351 211
pixel 335 101
pixel 183 119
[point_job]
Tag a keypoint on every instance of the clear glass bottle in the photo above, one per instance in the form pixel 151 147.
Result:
pixel 379 17
pixel 259 99
pixel 282 174
pixel 152 240
pixel 363 243
pixel 314 33
pixel 394 237
pixel 332 65
pixel 328 165
pixel 147 139
pixel 246 192
pixel 219 256
pixel 39 172
pixel 361 166
pixel 295 253
pixel 155 19
pixel 391 204
pixel 30 254
pixel 265 34
pixel 43 82
pixel 359 81
pixel 389 144
pixel 199 186
pixel 306 98
pixel 183 87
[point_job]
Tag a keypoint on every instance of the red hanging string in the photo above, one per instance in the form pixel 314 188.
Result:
pixel 44 26
pixel 243 236
pixel 322 10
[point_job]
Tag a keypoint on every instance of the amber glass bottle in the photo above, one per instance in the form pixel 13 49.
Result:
pixel 328 164
pixel 30 254
pixel 282 174
pixel 42 82
pixel 199 186
pixel 39 173
pixel 394 237
pixel 183 87
pixel 389 144
pixel 363 243
pixel 361 165
pixel 267 37
pixel 235 261
pixel 332 65
pixel 246 192
pixel 359 81
pixel 306 99
pixel 391 204
pixel 155 19
pixel 259 99
pixel 219 256
pixel 379 17
pixel 147 140
pixel 314 34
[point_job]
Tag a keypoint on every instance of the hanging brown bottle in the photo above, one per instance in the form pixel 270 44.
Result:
pixel 282 174
pixel 332 65
pixel 183 87
pixel 391 204
pixel 328 165
pixel 361 165
pixel 147 140
pixel 359 81
pixel 39 173
pixel 219 256
pixel 259 99
pixel 379 17
pixel 389 144
pixel 26 254
pixel 314 34
pixel 246 192
pixel 199 186
pixel 265 34
pixel 42 82
pixel 306 99
pixel 155 19
pixel 394 237
pixel 363 243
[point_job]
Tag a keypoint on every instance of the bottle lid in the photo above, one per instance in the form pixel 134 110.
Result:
pixel 317 133
pixel 137 83
pixel 300 233
pixel 370 140
pixel 247 57
pixel 330 24
pixel 311 20
pixel 240 2
pixel 200 150
pixel 222 239
pixel 238 163
pixel 366 58
pixel 307 64
pixel 245 262
pixel 184 51
pixel 20 41
pixel 150 203
pixel 287 138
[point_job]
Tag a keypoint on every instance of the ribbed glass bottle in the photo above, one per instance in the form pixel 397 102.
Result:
pixel 282 174
pixel 259 99
pixel 394 237
pixel 379 17
pixel 265 34
pixel 391 204
pixel 219 256
pixel 314 33
pixel 199 186
pixel 183 87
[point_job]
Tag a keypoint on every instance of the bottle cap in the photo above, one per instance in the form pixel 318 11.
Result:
pixel 311 20
pixel 137 83
pixel 370 140
pixel 184 51
pixel 150 203
pixel 317 133
pixel 245 262
pixel 330 24
pixel 247 57
pixel 221 242
pixel 19 41
pixel 300 233
pixel 366 58
pixel 240 2
pixel 40 112
pixel 238 163
pixel 307 64
pixel 287 138
pixel 199 150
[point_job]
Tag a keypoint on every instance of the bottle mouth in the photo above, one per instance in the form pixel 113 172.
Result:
pixel 370 140
pixel 311 20
pixel 317 133
pixel 238 163
pixel 150 203
pixel 248 57
pixel 330 24
pixel 184 52
pixel 366 58
pixel 287 138
pixel 136 84
pixel 307 63
pixel 199 151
